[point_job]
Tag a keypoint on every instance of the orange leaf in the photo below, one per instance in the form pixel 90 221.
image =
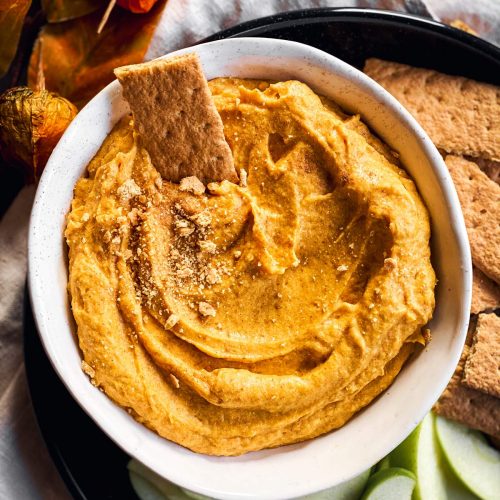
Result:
pixel 12 14
pixel 63 10
pixel 77 63
pixel 137 6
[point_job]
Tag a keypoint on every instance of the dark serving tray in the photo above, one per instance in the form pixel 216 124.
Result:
pixel 92 466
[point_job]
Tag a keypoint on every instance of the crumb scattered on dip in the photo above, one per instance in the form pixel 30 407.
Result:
pixel 256 314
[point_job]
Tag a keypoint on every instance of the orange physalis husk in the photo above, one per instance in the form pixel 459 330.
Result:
pixel 31 124
pixel 137 6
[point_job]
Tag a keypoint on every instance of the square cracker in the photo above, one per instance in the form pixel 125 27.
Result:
pixel 482 370
pixel 485 293
pixel 480 200
pixel 468 406
pixel 177 120
pixel 490 168
pixel 461 116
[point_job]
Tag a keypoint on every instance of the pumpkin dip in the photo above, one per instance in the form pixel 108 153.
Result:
pixel 239 316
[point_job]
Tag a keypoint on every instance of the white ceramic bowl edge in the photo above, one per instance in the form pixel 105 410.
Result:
pixel 315 465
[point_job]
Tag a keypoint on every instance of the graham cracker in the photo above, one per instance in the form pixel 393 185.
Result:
pixel 462 25
pixel 481 371
pixel 489 167
pixel 461 116
pixel 177 120
pixel 480 200
pixel 468 406
pixel 485 293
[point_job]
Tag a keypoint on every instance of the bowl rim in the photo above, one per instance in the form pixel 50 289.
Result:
pixel 322 14
pixel 457 224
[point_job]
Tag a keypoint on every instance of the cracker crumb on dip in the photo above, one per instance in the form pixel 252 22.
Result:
pixel 235 316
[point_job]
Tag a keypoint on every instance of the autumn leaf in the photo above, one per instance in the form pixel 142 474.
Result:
pixel 64 10
pixel 78 63
pixel 12 14
pixel 137 6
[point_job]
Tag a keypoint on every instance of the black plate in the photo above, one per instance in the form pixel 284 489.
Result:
pixel 92 466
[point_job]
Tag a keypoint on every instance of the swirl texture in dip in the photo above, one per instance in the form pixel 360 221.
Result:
pixel 259 314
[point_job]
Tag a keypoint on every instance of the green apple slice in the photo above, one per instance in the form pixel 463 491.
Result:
pixel 143 488
pixel 470 457
pixel 454 487
pixel 195 496
pixel 150 486
pixel 350 490
pixel 419 453
pixel 383 464
pixel 392 483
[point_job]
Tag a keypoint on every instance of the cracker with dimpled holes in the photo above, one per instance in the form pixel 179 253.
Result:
pixel 177 120
pixel 460 115
pixel 485 293
pixel 480 200
pixel 481 368
pixel 468 406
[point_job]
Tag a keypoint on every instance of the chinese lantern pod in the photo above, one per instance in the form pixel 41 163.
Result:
pixel 137 6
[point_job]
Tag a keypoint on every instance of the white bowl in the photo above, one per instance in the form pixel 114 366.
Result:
pixel 288 471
